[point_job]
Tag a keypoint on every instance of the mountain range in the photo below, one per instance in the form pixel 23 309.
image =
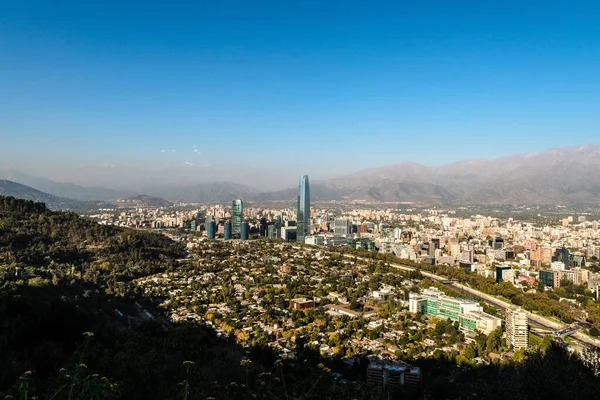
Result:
pixel 564 175
pixel 557 176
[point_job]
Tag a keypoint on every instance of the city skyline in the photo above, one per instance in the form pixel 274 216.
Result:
pixel 161 91
pixel 286 199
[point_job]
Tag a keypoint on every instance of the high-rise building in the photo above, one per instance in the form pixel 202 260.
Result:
pixel 562 254
pixel 237 216
pixel 245 231
pixel 227 230
pixel 341 226
pixel 211 229
pixel 303 210
pixel 504 273
pixel 549 278
pixel 517 328
pixel 262 228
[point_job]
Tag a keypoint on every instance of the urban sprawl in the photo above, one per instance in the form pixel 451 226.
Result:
pixel 394 284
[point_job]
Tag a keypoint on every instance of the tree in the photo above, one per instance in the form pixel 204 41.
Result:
pixel 494 340
pixel 470 352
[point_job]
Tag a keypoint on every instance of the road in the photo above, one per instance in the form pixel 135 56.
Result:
pixel 545 322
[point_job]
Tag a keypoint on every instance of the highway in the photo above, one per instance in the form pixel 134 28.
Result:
pixel 545 322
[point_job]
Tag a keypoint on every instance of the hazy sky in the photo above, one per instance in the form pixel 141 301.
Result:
pixel 263 91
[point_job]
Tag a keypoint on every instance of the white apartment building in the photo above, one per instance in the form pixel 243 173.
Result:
pixel 517 328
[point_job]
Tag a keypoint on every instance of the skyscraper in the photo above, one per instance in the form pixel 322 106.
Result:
pixel 211 230
pixel 262 230
pixel 341 226
pixel 303 210
pixel 237 216
pixel 227 230
pixel 245 229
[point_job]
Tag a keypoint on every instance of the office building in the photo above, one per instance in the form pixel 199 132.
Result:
pixel 227 230
pixel 314 240
pixel 562 254
pixel 211 229
pixel 303 210
pixel 549 278
pixel 245 231
pixel 341 227
pixel 467 313
pixel 237 216
pixel 288 233
pixel 504 273
pixel 262 227
pixel 274 231
pixel 517 328
pixel 478 321
pixel 497 243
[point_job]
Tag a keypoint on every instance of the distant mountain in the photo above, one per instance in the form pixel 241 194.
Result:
pixel 557 176
pixel 64 189
pixel 9 188
pixel 204 192
pixel 143 201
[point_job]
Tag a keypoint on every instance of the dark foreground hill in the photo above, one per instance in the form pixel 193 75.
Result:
pixel 71 327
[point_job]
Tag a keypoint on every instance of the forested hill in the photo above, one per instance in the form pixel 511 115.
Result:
pixel 62 244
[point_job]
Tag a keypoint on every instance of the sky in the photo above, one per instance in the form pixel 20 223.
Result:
pixel 258 92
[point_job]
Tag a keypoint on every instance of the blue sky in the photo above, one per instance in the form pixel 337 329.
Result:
pixel 290 87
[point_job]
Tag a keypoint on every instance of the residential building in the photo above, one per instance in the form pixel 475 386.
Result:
pixel 557 266
pixel 517 328
pixel 389 375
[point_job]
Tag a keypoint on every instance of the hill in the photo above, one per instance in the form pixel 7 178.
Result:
pixel 9 188
pixel 63 189
pixel 143 201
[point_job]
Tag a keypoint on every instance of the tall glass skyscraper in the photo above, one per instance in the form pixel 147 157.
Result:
pixel 227 230
pixel 237 216
pixel 303 210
